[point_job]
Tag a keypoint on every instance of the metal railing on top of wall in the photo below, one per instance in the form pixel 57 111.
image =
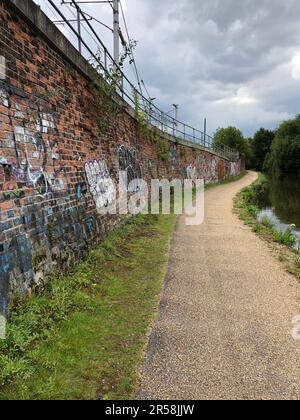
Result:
pixel 153 115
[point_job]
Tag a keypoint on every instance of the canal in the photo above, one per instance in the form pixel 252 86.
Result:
pixel 280 203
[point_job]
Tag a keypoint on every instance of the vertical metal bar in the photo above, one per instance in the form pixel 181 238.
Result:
pixel 105 60
pixel 116 26
pixel 122 85
pixel 176 111
pixel 79 29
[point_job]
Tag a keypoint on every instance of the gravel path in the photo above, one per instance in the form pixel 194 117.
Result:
pixel 225 319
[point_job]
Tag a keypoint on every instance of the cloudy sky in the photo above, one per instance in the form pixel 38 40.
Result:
pixel 236 62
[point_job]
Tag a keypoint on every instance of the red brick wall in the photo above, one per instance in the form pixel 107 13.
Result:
pixel 49 136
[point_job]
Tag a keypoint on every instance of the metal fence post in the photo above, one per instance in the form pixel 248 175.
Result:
pixel 79 28
pixel 122 85
pixel 105 60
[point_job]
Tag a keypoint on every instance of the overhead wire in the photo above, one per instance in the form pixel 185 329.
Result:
pixel 70 33
pixel 133 61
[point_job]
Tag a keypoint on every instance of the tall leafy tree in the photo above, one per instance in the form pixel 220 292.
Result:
pixel 261 147
pixel 285 150
pixel 232 137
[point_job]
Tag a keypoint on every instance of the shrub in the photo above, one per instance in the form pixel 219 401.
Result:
pixel 285 238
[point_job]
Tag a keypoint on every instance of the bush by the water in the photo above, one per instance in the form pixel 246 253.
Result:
pixel 252 195
pixel 286 238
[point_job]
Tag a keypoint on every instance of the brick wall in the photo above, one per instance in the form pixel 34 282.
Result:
pixel 54 152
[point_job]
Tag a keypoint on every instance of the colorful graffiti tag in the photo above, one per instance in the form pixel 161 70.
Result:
pixel 36 162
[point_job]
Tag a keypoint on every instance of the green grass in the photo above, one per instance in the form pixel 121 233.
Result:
pixel 245 204
pixel 285 238
pixel 82 337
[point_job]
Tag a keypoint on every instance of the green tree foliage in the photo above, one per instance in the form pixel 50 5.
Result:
pixel 233 138
pixel 261 147
pixel 285 150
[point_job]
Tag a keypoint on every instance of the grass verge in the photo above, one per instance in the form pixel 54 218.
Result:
pixel 246 207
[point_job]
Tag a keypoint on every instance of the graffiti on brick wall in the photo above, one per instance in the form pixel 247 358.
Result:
pixel 36 162
pixel 81 188
pixel 235 168
pixel 40 239
pixel 221 169
pixel 150 167
pixel 206 168
pixel 173 155
pixel 2 67
pixel 129 163
pixel 202 167
pixel 190 172
pixel 100 184
pixel 4 98
pixel 153 169
pixel 38 159
pixel 210 168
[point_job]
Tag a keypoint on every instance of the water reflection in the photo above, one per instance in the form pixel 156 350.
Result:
pixel 280 203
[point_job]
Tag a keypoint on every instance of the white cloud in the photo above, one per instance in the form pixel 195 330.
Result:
pixel 241 97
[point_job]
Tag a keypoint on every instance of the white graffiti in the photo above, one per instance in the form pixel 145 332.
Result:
pixel 234 168
pixel 55 184
pixel 45 122
pixel 101 185
pixel 2 68
pixel 191 172
pixel 214 172
pixel 36 155
pixel 4 100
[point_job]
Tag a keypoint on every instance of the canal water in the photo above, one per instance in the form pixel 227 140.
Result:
pixel 280 203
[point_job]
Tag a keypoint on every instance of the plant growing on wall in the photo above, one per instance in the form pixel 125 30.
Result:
pixel 106 84
pixel 141 116
pixel 182 153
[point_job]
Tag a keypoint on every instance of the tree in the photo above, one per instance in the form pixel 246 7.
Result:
pixel 285 150
pixel 233 138
pixel 261 147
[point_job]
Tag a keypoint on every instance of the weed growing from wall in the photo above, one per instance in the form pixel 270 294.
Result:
pixel 106 84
